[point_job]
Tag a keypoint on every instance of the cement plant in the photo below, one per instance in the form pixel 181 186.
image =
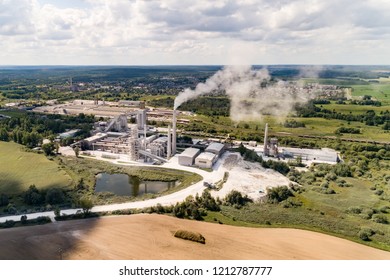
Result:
pixel 229 145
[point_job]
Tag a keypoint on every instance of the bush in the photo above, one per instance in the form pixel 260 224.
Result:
pixel 379 218
pixel 33 196
pixel 8 223
pixel 331 176
pixel 291 202
pixel 365 234
pixel 379 192
pixel 55 196
pixel 189 235
pixel 3 200
pixel 11 209
pixel 354 210
pixel 384 209
pixel 278 194
pixel 43 220
pixel 235 198
pixel 367 214
pixel 23 219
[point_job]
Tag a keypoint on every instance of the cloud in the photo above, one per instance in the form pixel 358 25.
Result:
pixel 214 32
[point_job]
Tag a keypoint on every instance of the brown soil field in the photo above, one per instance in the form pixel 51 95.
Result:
pixel 151 237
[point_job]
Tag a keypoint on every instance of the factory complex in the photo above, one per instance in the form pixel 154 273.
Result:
pixel 125 135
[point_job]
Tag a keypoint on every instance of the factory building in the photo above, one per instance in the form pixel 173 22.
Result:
pixel 188 156
pixel 206 160
pixel 316 155
pixel 132 104
pixel 216 149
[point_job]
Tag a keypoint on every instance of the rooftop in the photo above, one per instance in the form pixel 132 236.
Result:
pixel 190 152
pixel 215 147
pixel 206 156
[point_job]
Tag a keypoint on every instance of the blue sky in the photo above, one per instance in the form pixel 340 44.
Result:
pixel 132 32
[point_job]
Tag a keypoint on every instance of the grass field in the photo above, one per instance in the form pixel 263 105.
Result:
pixel 20 169
pixel 326 213
pixel 313 126
pixel 380 91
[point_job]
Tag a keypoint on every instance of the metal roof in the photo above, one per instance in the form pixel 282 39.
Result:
pixel 215 147
pixel 206 156
pixel 190 152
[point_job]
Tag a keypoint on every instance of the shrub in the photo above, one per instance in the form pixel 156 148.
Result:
pixel 365 234
pixel 379 192
pixel 331 176
pixel 367 214
pixel 379 218
pixel 57 212
pixel 278 194
pixel 354 210
pixel 384 209
pixel 43 220
pixel 189 235
pixel 11 209
pixel 33 196
pixel 23 219
pixel 291 202
pixel 9 223
pixel 55 196
pixel 4 199
pixel 235 198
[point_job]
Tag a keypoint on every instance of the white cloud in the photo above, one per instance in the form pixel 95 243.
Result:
pixel 194 32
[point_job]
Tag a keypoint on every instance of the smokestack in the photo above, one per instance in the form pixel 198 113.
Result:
pixel 145 137
pixel 265 151
pixel 169 148
pixel 174 132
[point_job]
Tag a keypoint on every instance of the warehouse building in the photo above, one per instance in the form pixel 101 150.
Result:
pixel 206 160
pixel 188 156
pixel 216 149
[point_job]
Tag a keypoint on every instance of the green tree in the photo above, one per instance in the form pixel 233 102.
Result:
pixel 33 196
pixel 278 194
pixel 4 135
pixel 48 148
pixel 235 198
pixel 55 196
pixel 86 205
pixel 4 199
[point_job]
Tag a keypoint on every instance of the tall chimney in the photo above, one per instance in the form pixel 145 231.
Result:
pixel 266 151
pixel 169 147
pixel 145 137
pixel 174 133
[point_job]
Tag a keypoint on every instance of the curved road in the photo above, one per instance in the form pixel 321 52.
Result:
pixel 169 199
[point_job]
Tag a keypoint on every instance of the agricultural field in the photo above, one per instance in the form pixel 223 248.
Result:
pixel 379 91
pixel 20 169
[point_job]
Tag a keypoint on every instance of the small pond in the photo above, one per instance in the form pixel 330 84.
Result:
pixel 125 185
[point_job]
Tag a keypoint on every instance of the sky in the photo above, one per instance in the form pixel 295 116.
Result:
pixel 189 32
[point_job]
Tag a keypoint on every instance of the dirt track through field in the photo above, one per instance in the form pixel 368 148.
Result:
pixel 151 237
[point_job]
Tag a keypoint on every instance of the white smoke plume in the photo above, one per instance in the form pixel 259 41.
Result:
pixel 251 92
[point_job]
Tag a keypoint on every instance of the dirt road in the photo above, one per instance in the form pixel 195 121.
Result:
pixel 151 237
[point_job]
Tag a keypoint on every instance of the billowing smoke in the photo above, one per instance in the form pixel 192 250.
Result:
pixel 252 93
